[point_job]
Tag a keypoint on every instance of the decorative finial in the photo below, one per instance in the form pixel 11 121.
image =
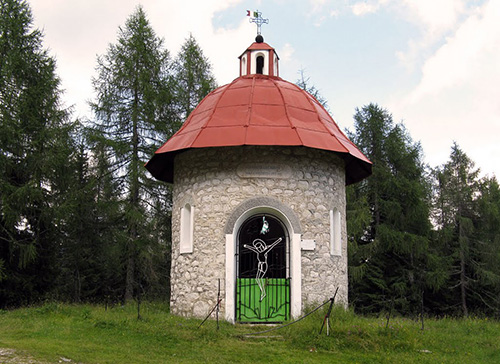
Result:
pixel 257 19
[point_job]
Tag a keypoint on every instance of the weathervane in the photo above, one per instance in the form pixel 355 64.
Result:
pixel 257 19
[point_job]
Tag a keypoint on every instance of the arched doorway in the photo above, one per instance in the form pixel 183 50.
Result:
pixel 262 270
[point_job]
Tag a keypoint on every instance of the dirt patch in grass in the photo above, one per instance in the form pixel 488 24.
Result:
pixel 11 356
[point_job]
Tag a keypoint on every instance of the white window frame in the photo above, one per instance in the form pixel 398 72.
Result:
pixel 335 232
pixel 265 69
pixel 186 229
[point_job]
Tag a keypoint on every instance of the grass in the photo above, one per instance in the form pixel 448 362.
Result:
pixel 92 334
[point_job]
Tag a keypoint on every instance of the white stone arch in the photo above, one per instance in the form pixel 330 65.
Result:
pixel 247 209
pixel 243 70
pixel 265 55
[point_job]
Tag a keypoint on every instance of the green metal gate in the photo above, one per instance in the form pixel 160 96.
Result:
pixel 262 283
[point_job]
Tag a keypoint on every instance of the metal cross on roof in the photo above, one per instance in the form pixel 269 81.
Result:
pixel 257 19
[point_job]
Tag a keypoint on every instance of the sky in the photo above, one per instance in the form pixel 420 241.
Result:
pixel 433 64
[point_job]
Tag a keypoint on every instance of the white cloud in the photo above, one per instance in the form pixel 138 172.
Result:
pixel 289 62
pixel 434 16
pixel 286 52
pixel 363 8
pixel 434 19
pixel 321 10
pixel 319 21
pixel 457 96
pixel 79 30
pixel 317 5
pixel 334 13
pixel 469 57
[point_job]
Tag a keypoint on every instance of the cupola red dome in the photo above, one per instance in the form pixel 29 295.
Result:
pixel 260 110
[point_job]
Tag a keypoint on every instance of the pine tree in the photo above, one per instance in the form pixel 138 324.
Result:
pixel 193 77
pixel 304 83
pixel 464 214
pixel 111 226
pixel 134 115
pixel 486 294
pixel 84 252
pixel 35 146
pixel 388 217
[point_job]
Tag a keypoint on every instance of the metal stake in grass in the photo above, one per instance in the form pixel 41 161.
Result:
pixel 216 307
pixel 327 316
pixel 218 301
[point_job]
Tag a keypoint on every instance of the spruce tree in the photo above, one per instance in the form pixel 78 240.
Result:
pixel 35 146
pixel 464 211
pixel 304 83
pixel 193 77
pixel 486 294
pixel 133 112
pixel 85 251
pixel 388 217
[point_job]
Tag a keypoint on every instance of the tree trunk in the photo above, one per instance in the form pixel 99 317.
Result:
pixel 129 284
pixel 463 283
pixel 463 278
pixel 78 285
pixel 134 200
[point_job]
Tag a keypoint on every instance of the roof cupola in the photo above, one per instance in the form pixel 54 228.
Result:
pixel 259 58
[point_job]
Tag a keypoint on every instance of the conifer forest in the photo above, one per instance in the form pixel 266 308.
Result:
pixel 81 220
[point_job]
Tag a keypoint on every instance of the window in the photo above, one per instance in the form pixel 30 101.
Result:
pixel 186 229
pixel 335 235
pixel 260 64
pixel 243 65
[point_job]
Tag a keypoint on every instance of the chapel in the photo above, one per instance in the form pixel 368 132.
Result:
pixel 259 171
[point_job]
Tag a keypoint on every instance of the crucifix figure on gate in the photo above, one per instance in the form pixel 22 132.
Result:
pixel 261 249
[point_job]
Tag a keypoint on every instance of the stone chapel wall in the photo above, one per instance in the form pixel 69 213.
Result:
pixel 213 181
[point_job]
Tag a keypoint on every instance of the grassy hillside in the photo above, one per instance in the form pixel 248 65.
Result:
pixel 92 334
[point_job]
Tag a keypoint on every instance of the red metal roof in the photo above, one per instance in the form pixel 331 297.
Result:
pixel 260 110
pixel 258 46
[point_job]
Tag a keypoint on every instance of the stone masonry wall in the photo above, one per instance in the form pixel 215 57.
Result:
pixel 216 180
